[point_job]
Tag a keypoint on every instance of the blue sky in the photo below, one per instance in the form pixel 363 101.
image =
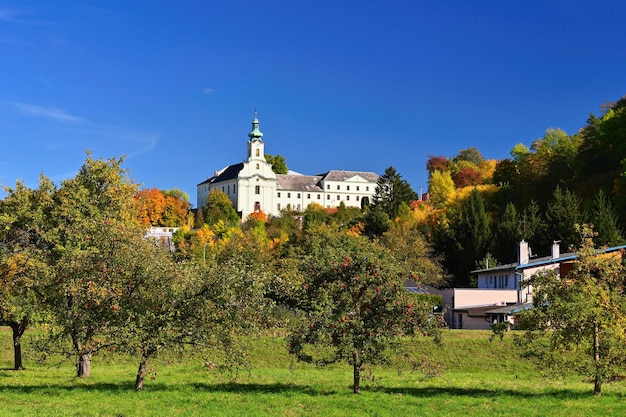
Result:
pixel 337 84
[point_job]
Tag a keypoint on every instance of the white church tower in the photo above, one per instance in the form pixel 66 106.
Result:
pixel 256 180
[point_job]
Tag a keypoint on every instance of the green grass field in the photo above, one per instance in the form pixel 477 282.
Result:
pixel 476 378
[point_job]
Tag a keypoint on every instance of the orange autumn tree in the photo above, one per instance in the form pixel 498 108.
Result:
pixel 151 205
pixel 162 208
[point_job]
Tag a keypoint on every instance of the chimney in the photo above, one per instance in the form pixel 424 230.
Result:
pixel 556 249
pixel 523 253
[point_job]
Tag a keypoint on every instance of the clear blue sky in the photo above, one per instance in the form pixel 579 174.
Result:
pixel 337 84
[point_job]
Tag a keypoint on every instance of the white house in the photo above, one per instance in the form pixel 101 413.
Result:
pixel 500 293
pixel 253 186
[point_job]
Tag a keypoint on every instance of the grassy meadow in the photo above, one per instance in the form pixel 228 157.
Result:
pixel 469 376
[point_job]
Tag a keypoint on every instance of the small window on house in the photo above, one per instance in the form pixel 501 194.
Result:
pixel 228 188
pixel 278 206
pixel 222 188
pixel 298 195
pixel 338 197
pixel 357 188
pixel 367 188
pixel 308 196
pixel 257 206
pixel 257 166
pixel 357 198
pixel 235 189
pixel 319 196
pixel 347 198
pixel 288 195
pixel 298 207
pixel 328 197
pixel 257 189
pixel 338 186
pixel 278 194
pixel 347 188
pixel 257 153
pixel 328 186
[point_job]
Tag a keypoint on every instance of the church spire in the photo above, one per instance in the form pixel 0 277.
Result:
pixel 255 134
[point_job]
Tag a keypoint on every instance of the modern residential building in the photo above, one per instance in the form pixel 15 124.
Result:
pixel 500 293
pixel 252 186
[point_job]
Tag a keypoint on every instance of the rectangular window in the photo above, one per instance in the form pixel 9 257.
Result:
pixel 357 188
pixel 357 198
pixel 328 187
pixel 228 188
pixel 298 195
pixel 235 189
pixel 367 188
pixel 278 194
pixel 308 196
pixel 257 189
pixel 347 198
pixel 338 187
pixel 278 206
pixel 288 195
pixel 298 207
pixel 257 206
pixel 347 188
pixel 338 197
pixel 319 196
pixel 328 197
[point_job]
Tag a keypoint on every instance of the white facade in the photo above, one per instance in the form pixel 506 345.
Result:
pixel 253 186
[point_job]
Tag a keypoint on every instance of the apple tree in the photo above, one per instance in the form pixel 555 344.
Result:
pixel 354 306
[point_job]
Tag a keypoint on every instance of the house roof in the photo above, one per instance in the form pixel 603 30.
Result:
pixel 546 260
pixel 341 175
pixel 511 309
pixel 414 287
pixel 297 182
pixel 228 173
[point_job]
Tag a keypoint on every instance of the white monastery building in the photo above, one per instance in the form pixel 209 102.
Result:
pixel 253 186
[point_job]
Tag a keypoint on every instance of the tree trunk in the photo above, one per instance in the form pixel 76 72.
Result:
pixel 141 374
pixel 83 366
pixel 597 383
pixel 18 329
pixel 357 373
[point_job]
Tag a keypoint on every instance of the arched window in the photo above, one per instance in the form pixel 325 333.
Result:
pixel 258 152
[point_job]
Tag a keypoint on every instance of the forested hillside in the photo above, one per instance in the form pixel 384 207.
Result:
pixel 479 208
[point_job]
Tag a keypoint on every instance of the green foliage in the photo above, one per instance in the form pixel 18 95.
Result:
pixel 605 221
pixel 219 208
pixel 582 315
pixel 440 186
pixel 391 191
pixel 354 307
pixel 279 165
pixel 509 231
pixel 412 251
pixel 471 236
pixel 376 222
pixel 563 213
pixel 23 266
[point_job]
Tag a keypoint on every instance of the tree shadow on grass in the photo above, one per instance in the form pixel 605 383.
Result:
pixel 281 388
pixel 249 388
pixel 78 387
pixel 561 394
